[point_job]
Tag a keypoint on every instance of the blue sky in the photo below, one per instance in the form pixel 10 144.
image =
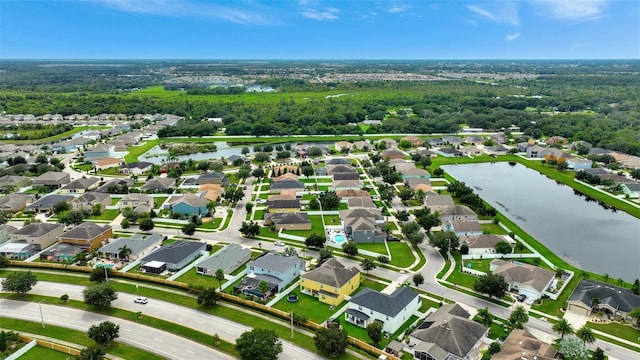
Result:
pixel 318 29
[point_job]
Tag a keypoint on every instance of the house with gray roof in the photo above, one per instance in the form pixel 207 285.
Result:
pixel 392 310
pixel 14 182
pixel 139 244
pixel 449 152
pixel 79 186
pixel 288 220
pixel 279 186
pixel 457 212
pixel 40 235
pixel 213 177
pixel 88 200
pixel 136 168
pixel 276 205
pixel 229 258
pixel 15 202
pixel 482 244
pixel 526 279
pixel 632 189
pixel 46 203
pixel 275 269
pixel 87 235
pixel 158 184
pixel 437 202
pixel 140 203
pixel 5 231
pixel 341 168
pixel 463 228
pixel 116 186
pixel 448 334
pixel 363 224
pixel 177 255
pixel 51 179
pixel 615 301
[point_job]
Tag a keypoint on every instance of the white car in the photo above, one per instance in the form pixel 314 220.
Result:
pixel 141 300
pixel 279 243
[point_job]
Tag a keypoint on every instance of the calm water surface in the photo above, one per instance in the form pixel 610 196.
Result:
pixel 582 232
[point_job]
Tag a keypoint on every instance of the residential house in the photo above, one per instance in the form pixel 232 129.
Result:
pixel 529 280
pixel 414 140
pixel 107 163
pixel 340 145
pixel 18 250
pixel 211 192
pixel 288 220
pixel 580 144
pixel 425 153
pixel 482 244
pixel 343 194
pixel 415 182
pixel 275 269
pixel 338 185
pixel 631 189
pixel 136 168
pixel 457 212
pixel 474 140
pixel 286 176
pixel 338 161
pixel 341 169
pixel 391 310
pixel 351 176
pixel 389 154
pixel 40 235
pixel 139 244
pixel 228 259
pixel 534 151
pixel 448 334
pixel 361 202
pixel 499 138
pixel 578 163
pixel 363 225
pixel 449 152
pixel 470 150
pixel 5 231
pixel 51 179
pixel 280 186
pixel 414 173
pixel 463 228
pixel 435 142
pixel 13 182
pixel 496 150
pixel 389 143
pixel 521 344
pixel 48 202
pixel 168 166
pixel 362 145
pixel 452 140
pixel 159 184
pixel 330 281
pixel 88 200
pixel 282 205
pixel 238 159
pixel 79 186
pixel 99 152
pixel 616 302
pixel 188 205
pixel 116 186
pixel 140 203
pixel 437 202
pixel 213 177
pixel 173 256
pixel 15 202
pixel 553 140
pixel 87 235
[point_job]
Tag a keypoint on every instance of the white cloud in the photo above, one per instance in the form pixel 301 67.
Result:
pixel 395 9
pixel 573 9
pixel 326 14
pixel 511 37
pixel 186 8
pixel 503 12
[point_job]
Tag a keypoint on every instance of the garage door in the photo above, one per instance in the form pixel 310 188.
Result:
pixel 578 309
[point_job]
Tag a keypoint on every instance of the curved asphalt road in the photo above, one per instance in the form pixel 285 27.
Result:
pixel 200 321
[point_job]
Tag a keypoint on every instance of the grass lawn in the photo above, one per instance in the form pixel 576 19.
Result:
pixel 554 307
pixel 213 224
pixel 258 215
pixel 158 201
pixel 361 333
pixel 332 219
pixel 427 304
pixel 375 247
pixel 114 201
pixel 370 284
pixel 316 227
pixel 264 196
pixel 622 331
pixel 439 183
pixel 84 167
pixel 480 265
pixel 136 151
pixel 266 232
pixel 308 305
pixel 460 278
pixel 39 353
pixel 401 254
pixel 195 279
pixel 108 214
pixel 111 171
pixel 493 229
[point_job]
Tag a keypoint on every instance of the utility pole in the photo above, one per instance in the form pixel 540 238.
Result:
pixel 291 323
pixel 41 316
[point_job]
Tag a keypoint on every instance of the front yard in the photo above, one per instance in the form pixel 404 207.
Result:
pixel 194 279
pixel 106 215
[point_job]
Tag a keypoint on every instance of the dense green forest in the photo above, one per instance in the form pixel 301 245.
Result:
pixel 597 102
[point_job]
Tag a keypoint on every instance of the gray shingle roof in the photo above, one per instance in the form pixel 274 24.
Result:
pixel 283 204
pixel 225 257
pixel 288 218
pixel 82 183
pixel 37 229
pixel 276 262
pixel 389 305
pixel 616 297
pixel 176 252
pixel 287 184
pixel 48 201
pixel 84 231
pixel 525 274
pixel 137 243
pixel 331 273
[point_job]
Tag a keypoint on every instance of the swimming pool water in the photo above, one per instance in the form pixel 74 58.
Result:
pixel 338 238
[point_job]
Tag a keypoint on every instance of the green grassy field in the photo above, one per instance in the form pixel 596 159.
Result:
pixel 64 135
pixel 401 254
pixel 136 151
pixel 108 214
pixel 195 279
pixel 39 353
pixel 311 307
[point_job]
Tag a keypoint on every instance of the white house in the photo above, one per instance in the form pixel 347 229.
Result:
pixel 390 310
pixel 529 280
pixel 482 244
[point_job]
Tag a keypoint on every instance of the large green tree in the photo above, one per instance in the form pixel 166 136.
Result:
pixel 100 295
pixel 104 333
pixel 563 327
pixel 20 282
pixel 331 340
pixel 492 285
pixel 259 344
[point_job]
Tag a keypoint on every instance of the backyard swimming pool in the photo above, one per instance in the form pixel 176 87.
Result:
pixel 338 238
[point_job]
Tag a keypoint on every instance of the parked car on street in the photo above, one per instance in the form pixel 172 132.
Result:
pixel 141 300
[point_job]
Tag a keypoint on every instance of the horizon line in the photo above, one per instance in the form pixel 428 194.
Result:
pixel 317 59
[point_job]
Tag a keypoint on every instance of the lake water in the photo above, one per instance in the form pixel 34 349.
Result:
pixel 224 149
pixel 582 232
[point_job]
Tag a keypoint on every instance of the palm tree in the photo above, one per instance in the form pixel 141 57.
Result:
pixel 595 302
pixel 80 258
pixel 606 278
pixel 584 274
pixel 635 314
pixel 519 316
pixel 219 275
pixel 124 252
pixel 563 327
pixel 586 335
pixel 485 317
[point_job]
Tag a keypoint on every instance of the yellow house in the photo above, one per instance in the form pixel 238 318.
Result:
pixel 330 282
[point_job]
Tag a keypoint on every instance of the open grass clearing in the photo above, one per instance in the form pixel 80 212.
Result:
pixel 194 279
pixel 493 229
pixel 401 254
pixel 39 353
pixel 308 305
pixel 623 331
pixel 108 214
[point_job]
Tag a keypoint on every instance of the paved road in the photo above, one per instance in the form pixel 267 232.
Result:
pixel 200 321
pixel 143 337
